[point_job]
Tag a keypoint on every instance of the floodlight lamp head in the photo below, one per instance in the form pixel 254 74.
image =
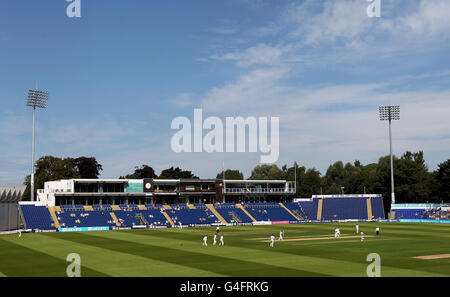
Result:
pixel 388 113
pixel 37 99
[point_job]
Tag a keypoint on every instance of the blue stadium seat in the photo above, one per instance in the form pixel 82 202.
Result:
pixel 270 211
pixel 344 208
pixel 37 217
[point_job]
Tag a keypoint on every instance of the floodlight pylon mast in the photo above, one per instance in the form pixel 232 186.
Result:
pixel 224 190
pixel 392 163
pixel 295 178
pixel 32 156
pixel 36 99
pixel 390 113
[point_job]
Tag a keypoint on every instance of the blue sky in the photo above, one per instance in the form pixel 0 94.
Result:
pixel 118 75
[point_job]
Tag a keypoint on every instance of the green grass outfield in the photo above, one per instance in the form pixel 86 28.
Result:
pixel 306 251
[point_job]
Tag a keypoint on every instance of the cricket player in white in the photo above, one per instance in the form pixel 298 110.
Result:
pixel 205 238
pixel 272 239
pixel 20 233
pixel 281 235
pixel 357 228
pixel 221 240
pixel 362 236
pixel 215 239
pixel 337 233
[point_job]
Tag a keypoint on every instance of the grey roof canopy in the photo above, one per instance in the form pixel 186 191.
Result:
pixel 11 194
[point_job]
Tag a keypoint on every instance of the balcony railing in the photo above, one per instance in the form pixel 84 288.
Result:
pixel 166 191
pixel 258 190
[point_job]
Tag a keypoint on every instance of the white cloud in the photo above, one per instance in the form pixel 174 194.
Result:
pixel 99 137
pixel 344 24
pixel 319 33
pixel 223 30
pixel 431 20
pixel 345 19
pixel 319 124
pixel 322 124
pixel 311 133
pixel 313 122
pixel 183 100
pixel 261 54
pixel 14 125
pixel 250 91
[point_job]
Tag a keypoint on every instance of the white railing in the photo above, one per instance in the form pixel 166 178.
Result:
pixel 258 190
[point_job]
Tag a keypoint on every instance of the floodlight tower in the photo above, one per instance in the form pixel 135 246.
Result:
pixel 224 190
pixel 36 99
pixel 295 178
pixel 390 113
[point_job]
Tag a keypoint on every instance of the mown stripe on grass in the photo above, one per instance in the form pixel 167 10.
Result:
pixel 324 258
pixel 216 264
pixel 267 255
pixel 18 260
pixel 395 257
pixel 116 263
pixel 395 261
pixel 350 257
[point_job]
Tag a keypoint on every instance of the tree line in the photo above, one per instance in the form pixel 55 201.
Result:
pixel 414 182
pixel 50 168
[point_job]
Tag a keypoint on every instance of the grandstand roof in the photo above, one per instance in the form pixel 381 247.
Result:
pixel 11 194
pixel 255 181
pixel 172 181
pixel 197 180
pixel 92 180
pixel 156 180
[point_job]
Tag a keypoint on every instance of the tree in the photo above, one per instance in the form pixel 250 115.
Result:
pixel 49 168
pixel 347 176
pixel 176 173
pixel 334 178
pixel 266 171
pixel 382 183
pixel 365 180
pixel 144 171
pixel 88 167
pixel 231 174
pixel 289 173
pixel 310 183
pixel 413 181
pixel 442 176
